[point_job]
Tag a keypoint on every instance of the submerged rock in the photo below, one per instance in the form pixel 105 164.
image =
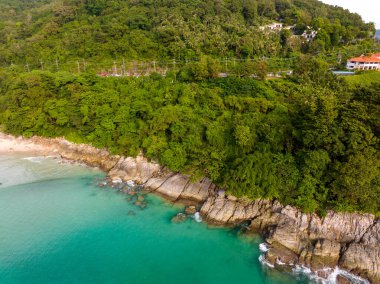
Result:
pixel 140 198
pixel 131 213
pixel 179 218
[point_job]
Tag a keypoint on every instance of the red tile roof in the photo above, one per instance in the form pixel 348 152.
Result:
pixel 372 58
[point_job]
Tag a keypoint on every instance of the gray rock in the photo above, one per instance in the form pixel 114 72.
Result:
pixel 280 254
pixel 372 236
pixel 342 227
pixel 173 186
pixel 138 169
pixel 363 260
pixel 197 191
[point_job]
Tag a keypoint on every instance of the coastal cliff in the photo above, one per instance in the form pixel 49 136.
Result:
pixel 350 241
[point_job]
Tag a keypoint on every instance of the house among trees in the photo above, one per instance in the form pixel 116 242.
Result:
pixel 362 62
pixel 309 34
pixel 273 27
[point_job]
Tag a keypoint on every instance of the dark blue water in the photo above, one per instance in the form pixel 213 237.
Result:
pixel 58 226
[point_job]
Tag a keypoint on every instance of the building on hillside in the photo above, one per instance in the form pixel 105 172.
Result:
pixel 309 34
pixel 371 62
pixel 272 27
pixel 289 27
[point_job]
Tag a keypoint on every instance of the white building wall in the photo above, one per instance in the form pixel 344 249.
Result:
pixel 352 65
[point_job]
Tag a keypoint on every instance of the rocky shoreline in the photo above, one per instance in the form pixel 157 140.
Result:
pixel 350 241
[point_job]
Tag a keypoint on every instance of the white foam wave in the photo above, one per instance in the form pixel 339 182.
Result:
pixel 332 275
pixel 313 276
pixel 197 217
pixel 37 159
pixel 263 261
pixel 353 278
pixel 131 183
pixel 263 247
pixel 117 180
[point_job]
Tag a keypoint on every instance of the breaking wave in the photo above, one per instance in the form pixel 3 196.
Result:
pixel 299 270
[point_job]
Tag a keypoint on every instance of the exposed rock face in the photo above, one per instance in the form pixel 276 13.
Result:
pixel 350 240
pixel 372 236
pixel 173 186
pixel 325 253
pixel 78 152
pixel 138 169
pixel 342 227
pixel 363 259
pixel 306 239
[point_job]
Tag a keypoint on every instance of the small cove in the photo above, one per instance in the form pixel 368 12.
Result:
pixel 58 226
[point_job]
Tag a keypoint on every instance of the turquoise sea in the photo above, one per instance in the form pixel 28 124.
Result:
pixel 58 226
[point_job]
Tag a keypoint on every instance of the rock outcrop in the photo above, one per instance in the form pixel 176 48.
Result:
pixel 348 240
pixel 137 169
pixel 83 153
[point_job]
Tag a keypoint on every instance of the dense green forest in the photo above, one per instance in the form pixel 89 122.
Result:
pixel 46 30
pixel 311 140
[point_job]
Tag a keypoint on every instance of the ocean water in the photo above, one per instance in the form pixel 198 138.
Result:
pixel 377 34
pixel 58 226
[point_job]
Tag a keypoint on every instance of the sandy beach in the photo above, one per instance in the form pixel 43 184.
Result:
pixel 11 144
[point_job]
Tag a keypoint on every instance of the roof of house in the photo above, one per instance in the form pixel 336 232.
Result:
pixel 372 58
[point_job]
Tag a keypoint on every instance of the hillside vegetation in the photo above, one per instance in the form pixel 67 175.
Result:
pixel 310 141
pixel 42 30
pixel 363 79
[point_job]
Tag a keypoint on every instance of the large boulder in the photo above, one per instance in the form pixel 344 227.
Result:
pixel 172 187
pixel 218 209
pixel 280 255
pixel 197 191
pixel 138 169
pixel 363 260
pixel 324 253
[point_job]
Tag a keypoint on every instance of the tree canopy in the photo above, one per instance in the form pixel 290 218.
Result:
pixel 309 145
pixel 37 31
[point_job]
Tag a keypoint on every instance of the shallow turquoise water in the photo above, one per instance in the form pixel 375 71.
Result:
pixel 57 226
